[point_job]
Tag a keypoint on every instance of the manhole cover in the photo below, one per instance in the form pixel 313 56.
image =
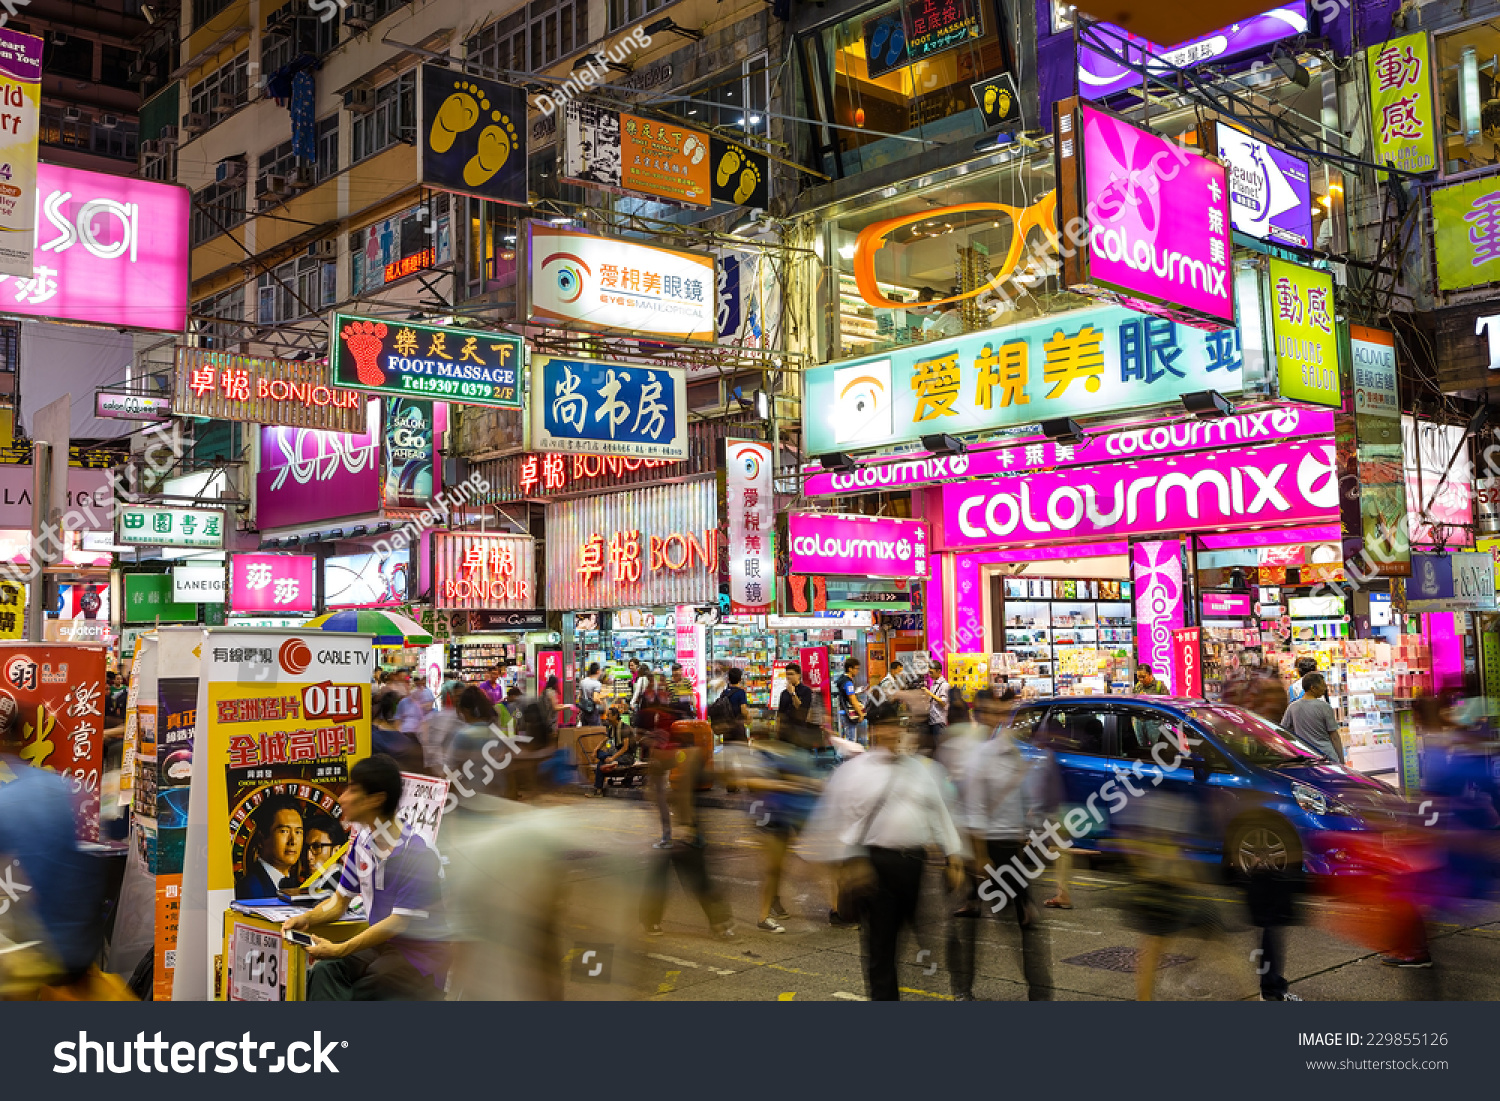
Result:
pixel 1120 959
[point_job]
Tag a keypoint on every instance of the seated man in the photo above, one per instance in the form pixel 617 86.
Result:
pixel 403 954
pixel 618 751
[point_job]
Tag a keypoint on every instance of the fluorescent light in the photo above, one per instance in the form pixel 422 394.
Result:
pixel 846 252
pixel 1469 110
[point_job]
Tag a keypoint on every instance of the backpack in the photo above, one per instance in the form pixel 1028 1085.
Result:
pixel 588 709
pixel 722 710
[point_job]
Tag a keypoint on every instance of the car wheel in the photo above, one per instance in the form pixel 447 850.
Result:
pixel 1265 844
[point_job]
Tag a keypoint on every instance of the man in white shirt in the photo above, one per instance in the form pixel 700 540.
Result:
pixel 878 815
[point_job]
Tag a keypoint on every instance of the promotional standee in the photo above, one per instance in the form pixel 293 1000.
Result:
pixel 59 690
pixel 281 717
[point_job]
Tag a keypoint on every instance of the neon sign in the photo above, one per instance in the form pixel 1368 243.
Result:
pixel 551 472
pixel 621 554
pixel 489 573
pixel 225 386
pixel 410 265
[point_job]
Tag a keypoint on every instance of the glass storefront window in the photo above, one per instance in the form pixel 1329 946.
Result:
pixel 1468 64
pixel 865 74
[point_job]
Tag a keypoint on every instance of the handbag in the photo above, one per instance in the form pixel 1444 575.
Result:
pixel 855 876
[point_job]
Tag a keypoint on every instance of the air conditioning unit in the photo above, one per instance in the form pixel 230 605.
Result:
pixel 196 123
pixel 359 100
pixel 151 149
pixel 72 114
pixel 168 135
pixel 302 177
pixel 277 185
pixel 222 104
pixel 230 169
pixel 109 122
pixel 326 249
pixel 359 17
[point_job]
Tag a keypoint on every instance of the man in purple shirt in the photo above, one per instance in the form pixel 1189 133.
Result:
pixel 402 956
pixel 493 686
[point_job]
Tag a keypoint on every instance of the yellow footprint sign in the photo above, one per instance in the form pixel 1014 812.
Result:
pixel 473 134
pixel 998 101
pixel 740 174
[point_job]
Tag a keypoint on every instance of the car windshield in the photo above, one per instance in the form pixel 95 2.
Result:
pixel 1252 739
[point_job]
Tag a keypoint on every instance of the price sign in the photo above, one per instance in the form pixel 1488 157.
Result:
pixel 257 965
pixel 421 807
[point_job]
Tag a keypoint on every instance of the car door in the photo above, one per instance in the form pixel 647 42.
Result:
pixel 1080 737
pixel 1159 748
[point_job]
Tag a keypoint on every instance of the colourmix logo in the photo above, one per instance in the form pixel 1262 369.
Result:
pixel 143 1056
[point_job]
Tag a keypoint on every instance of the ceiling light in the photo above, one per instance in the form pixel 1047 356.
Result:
pixel 944 444
pixel 838 461
pixel 1207 405
pixel 1291 68
pixel 1063 430
pixel 670 26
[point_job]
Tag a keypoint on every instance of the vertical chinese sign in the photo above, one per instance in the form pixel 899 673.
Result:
pixel 1466 233
pixel 750 504
pixel 21 91
pixel 12 609
pixel 1378 469
pixel 1160 604
pixel 1307 349
pixel 1401 103
pixel 816 676
pixel 280 720
pixel 59 691
pixel 692 653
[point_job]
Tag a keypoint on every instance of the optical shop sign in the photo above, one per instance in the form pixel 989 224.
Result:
pixel 1077 364
pixel 1262 486
pixel 858 546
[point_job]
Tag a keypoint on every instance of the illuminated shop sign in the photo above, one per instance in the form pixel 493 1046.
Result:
pixel 552 473
pixel 485 571
pixel 225 386
pixel 468 366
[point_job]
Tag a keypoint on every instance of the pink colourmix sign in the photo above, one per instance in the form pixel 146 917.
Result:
pixel 271 583
pixel 1158 218
pixel 110 250
pixel 1280 483
pixel 858 546
pixel 1226 606
pixel 1160 607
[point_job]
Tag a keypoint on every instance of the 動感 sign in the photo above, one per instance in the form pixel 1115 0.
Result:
pixel 1401 103
pixel 599 408
pixel 467 366
pixel 1156 216
pixel 1306 345
pixel 230 387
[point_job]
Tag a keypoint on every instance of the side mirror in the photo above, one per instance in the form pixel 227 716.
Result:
pixel 1200 768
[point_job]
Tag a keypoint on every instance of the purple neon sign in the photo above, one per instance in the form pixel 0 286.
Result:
pixel 1100 76
pixel 1158 220
pixel 861 546
pixel 1280 483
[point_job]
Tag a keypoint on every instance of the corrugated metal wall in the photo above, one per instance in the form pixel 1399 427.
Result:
pixel 689 509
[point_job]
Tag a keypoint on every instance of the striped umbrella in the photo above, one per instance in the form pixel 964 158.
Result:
pixel 388 628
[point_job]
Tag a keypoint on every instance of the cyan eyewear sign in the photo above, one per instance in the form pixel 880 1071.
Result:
pixel 1079 364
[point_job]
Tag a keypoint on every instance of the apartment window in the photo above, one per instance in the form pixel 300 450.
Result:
pixel 68 55
pixel 10 346
pixel 533 38
pixel 122 139
pixel 733 100
pixel 222 90
pixel 114 66
pixel 204 10
pixel 57 129
pixel 303 34
pixel 622 13
pixel 384 8
pixel 230 308
pixel 216 208
pixel 328 149
pixel 390 120
pixel 297 289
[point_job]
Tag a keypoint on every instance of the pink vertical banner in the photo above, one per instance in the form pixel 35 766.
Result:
pixel 692 654
pixel 1187 646
pixel 814 662
pixel 549 663
pixel 1160 607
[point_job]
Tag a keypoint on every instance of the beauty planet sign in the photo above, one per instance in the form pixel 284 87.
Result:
pixel 1156 216
pixel 858 546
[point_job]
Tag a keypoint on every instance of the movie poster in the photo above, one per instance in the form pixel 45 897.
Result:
pixel 59 689
pixel 281 717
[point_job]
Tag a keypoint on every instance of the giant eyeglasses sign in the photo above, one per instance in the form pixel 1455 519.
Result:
pixel 1156 218
pixel 467 366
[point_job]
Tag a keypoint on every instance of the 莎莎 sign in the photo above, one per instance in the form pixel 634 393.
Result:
pixel 860 546
pixel 271 582
pixel 1157 218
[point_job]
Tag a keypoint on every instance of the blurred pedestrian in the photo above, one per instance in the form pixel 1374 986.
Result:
pixel 436 733
pixel 386 735
pixel 786 784
pixel 687 854
pixel 878 815
pixel 1313 722
pixel 1266 696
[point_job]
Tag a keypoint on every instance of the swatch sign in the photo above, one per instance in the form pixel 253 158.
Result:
pixel 1281 483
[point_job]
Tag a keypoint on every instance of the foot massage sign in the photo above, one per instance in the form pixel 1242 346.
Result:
pixel 468 366
pixel 281 718
pixel 472 136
